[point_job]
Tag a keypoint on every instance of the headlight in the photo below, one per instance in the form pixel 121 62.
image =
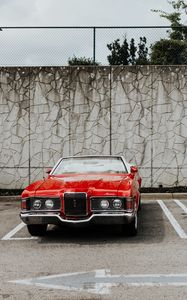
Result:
pixel 37 204
pixel 49 203
pixel 117 203
pixel 104 204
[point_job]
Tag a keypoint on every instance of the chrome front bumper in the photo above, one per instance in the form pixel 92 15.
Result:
pixel 55 218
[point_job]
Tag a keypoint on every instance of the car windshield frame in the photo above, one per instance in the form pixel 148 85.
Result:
pixel 90 165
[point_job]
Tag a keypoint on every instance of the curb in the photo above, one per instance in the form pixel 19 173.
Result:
pixel 163 196
pixel 10 198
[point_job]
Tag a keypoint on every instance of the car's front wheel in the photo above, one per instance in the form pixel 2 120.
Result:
pixel 140 204
pixel 37 229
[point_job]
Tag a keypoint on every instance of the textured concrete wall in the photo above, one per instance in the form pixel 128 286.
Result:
pixel 138 112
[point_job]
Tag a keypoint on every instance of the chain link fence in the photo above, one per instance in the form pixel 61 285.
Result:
pixel 54 46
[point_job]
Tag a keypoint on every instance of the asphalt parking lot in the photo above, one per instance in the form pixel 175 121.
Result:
pixel 97 262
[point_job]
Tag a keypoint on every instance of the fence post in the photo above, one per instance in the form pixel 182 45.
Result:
pixel 94 43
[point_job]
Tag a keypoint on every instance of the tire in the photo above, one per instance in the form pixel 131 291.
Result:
pixel 37 229
pixel 140 204
pixel 131 229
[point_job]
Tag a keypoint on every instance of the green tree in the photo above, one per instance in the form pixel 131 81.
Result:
pixel 119 52
pixel 174 49
pixel 132 51
pixel 169 52
pixel 77 61
pixel 178 30
pixel 142 52
pixel 125 54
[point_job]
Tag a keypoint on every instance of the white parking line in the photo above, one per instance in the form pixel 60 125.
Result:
pixel 9 236
pixel 181 205
pixel 172 220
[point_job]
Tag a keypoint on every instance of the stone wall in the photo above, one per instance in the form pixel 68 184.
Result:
pixel 136 111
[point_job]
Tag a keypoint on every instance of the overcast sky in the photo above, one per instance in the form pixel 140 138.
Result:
pixel 81 12
pixel 32 46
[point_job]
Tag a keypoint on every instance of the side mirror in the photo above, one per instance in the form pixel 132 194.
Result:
pixel 48 171
pixel 134 169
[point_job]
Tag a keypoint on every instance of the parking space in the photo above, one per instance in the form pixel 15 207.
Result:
pixel 97 262
pixel 175 208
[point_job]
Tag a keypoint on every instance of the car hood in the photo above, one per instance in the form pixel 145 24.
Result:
pixel 92 184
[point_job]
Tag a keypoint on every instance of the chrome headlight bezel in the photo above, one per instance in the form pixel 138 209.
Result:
pixel 37 203
pixel 53 204
pixel 97 200
pixel 117 203
pixel 49 203
pixel 104 204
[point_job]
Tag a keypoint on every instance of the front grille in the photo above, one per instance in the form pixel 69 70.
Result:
pixel 75 204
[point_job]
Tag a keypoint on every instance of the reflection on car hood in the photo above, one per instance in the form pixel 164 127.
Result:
pixel 84 183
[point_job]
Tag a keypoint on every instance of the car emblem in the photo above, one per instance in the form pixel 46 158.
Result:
pixel 74 203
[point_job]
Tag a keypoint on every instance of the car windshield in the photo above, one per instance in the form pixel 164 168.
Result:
pixel 90 165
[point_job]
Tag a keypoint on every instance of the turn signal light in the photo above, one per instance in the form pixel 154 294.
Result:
pixel 129 204
pixel 23 204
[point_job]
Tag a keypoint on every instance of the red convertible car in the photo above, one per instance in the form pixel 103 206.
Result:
pixel 84 190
